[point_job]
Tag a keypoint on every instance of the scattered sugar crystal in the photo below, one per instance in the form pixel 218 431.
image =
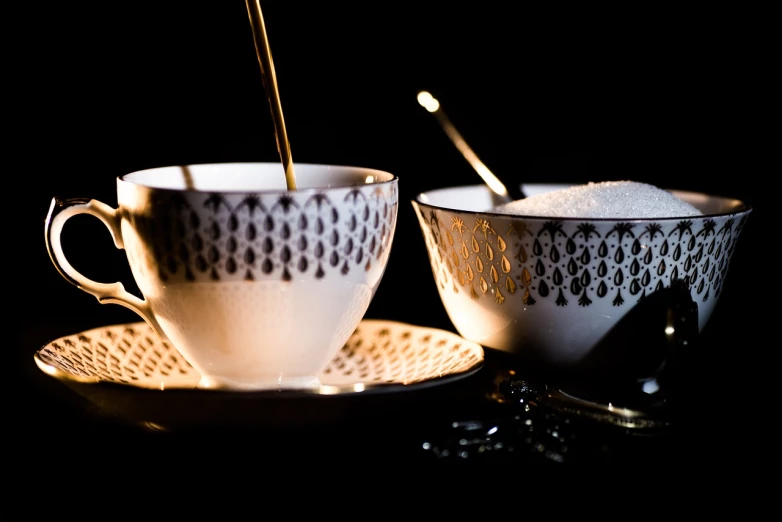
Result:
pixel 607 199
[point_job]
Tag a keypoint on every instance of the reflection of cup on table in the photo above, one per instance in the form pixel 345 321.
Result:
pixel 257 286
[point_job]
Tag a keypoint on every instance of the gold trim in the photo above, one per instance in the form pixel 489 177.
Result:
pixel 59 374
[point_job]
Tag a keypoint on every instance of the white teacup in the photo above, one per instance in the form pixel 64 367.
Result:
pixel 257 286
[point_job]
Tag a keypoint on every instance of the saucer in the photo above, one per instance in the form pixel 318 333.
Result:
pixel 126 371
pixel 379 356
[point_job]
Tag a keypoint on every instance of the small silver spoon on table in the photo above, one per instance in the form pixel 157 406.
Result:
pixel 502 193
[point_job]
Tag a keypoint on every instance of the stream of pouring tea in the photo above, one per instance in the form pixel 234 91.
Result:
pixel 270 84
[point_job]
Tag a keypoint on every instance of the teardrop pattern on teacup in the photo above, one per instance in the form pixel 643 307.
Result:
pixel 577 263
pixel 217 237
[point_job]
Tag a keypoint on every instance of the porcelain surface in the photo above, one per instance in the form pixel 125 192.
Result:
pixel 552 289
pixel 257 286
pixel 382 356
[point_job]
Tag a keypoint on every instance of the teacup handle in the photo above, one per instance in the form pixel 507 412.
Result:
pixel 60 211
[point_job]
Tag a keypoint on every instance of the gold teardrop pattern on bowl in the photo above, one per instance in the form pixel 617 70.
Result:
pixel 577 263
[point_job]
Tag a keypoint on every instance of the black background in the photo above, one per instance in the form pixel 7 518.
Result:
pixel 674 98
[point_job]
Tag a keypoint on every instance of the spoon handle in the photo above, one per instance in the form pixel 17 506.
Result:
pixel 503 193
